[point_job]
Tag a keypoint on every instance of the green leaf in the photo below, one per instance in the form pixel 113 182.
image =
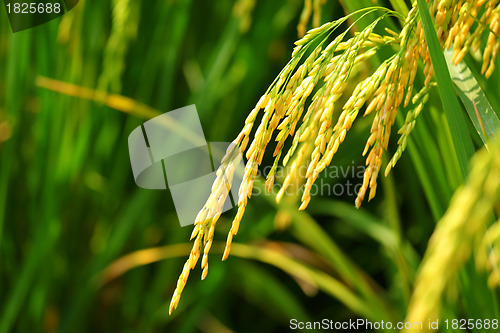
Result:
pixel 461 139
pixel 476 103
pixel 297 269
pixel 267 292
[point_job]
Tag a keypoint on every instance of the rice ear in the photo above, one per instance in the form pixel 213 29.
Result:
pixel 301 103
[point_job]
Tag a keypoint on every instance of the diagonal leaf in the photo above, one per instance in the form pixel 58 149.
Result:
pixel 268 292
pixel 476 103
pixel 458 128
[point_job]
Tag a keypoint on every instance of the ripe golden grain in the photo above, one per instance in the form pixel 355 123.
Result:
pixel 303 105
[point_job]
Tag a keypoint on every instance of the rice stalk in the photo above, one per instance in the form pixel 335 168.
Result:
pixel 123 32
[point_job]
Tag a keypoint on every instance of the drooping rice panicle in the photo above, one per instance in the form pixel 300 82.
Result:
pixel 303 105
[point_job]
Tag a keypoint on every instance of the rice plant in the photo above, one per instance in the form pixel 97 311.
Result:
pixel 82 248
pixel 300 104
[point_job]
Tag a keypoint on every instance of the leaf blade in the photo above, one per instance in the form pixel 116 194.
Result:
pixel 461 139
pixel 476 103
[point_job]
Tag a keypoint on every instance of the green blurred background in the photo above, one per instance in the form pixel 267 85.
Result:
pixel 69 206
